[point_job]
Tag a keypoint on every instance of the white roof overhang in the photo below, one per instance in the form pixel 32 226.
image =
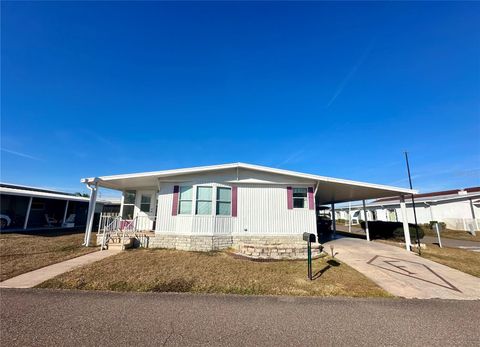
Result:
pixel 37 194
pixel 330 190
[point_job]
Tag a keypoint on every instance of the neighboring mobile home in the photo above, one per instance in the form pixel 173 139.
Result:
pixel 458 209
pixel 33 208
pixel 231 205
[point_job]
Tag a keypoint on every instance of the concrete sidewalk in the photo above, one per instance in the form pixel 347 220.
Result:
pixel 403 273
pixel 33 278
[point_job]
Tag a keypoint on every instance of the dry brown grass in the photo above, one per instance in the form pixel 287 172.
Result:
pixel 453 234
pixel 217 272
pixel 20 253
pixel 456 258
pixel 460 259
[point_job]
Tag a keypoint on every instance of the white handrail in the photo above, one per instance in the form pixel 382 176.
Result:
pixel 123 227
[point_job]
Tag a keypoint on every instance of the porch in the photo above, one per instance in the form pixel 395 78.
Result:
pixel 115 232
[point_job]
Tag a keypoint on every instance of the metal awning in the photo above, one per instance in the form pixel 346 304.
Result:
pixel 328 189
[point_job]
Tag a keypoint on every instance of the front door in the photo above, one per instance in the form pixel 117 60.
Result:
pixel 145 206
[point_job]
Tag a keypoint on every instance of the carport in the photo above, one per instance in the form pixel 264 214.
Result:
pixel 333 191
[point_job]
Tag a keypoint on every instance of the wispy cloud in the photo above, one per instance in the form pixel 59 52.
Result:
pixel 20 154
pixel 292 157
pixel 351 73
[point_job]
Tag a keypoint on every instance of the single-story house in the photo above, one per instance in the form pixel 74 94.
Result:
pixel 220 206
pixel 458 209
pixel 32 208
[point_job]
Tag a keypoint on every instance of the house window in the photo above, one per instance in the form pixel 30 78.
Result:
pixel 185 201
pixel 224 201
pixel 204 200
pixel 145 203
pixel 299 197
pixel 128 204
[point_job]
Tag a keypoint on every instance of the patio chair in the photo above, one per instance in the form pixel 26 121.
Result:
pixel 69 222
pixel 50 221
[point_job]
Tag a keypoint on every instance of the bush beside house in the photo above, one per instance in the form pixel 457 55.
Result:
pixel 391 230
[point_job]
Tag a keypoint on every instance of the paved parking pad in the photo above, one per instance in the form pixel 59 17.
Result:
pixel 403 273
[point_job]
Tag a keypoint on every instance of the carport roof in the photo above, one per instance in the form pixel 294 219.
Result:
pixel 329 190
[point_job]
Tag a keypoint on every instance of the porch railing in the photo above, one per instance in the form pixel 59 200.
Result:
pixel 114 225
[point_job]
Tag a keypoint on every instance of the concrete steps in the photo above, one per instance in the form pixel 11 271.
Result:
pixel 115 243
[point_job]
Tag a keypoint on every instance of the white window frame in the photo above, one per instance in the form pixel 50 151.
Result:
pixel 212 199
pixel 144 203
pixel 217 201
pixel 128 204
pixel 305 200
pixel 192 200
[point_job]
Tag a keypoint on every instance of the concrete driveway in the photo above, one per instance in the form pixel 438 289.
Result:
pixel 33 317
pixel 403 273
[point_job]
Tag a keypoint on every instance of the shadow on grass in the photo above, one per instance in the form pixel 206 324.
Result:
pixel 331 263
pixel 54 232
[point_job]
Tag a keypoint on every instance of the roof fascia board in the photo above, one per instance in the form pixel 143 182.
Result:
pixel 202 169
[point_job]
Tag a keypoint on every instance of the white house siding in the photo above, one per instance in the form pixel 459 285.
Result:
pixel 263 217
pixel 261 210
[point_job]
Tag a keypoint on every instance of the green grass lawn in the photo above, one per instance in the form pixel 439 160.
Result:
pixel 158 270
pixel 20 253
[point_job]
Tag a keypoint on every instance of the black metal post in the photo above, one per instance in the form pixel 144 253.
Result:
pixel 309 260
pixel 413 204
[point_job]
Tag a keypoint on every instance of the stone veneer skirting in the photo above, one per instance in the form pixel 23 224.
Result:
pixel 258 247
pixel 252 246
pixel 202 243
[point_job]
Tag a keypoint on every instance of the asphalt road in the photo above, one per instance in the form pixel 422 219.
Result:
pixel 72 318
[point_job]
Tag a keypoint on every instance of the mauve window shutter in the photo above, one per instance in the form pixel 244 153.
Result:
pixel 175 200
pixel 289 198
pixel 234 201
pixel 311 203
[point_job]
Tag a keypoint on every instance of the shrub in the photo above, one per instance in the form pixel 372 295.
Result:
pixel 441 225
pixel 391 230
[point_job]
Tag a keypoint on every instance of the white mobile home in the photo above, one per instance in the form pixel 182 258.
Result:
pixel 220 206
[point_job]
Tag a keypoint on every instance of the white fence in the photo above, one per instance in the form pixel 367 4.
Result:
pixel 466 224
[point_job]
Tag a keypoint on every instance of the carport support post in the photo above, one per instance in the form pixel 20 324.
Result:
pixel 91 212
pixel 27 215
pixel 334 223
pixel 65 213
pixel 406 230
pixel 366 221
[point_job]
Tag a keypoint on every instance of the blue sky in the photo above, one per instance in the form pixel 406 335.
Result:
pixel 336 89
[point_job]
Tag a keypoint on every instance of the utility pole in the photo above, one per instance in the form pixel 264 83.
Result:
pixel 413 204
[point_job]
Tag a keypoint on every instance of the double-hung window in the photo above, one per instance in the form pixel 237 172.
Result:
pixel 128 204
pixel 224 201
pixel 204 200
pixel 185 201
pixel 145 202
pixel 299 197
